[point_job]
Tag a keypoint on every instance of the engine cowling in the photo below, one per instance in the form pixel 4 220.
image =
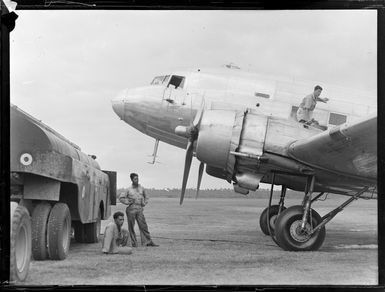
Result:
pixel 219 133
pixel 242 146
pixel 224 131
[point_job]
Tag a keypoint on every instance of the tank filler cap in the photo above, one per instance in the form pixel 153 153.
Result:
pixel 26 159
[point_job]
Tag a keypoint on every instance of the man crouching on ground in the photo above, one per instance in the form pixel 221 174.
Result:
pixel 115 237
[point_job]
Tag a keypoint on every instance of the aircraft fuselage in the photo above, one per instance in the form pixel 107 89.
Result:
pixel 173 100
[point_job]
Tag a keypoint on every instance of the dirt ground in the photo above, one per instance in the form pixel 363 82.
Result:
pixel 219 242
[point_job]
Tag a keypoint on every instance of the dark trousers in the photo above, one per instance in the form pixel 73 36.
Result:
pixel 137 214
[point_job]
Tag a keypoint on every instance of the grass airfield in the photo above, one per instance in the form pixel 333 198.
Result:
pixel 217 241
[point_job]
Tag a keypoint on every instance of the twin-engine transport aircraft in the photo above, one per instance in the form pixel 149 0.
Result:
pixel 244 130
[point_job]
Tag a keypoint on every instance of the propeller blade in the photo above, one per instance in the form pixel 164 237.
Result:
pixel 190 148
pixel 199 114
pixel 200 173
pixel 187 165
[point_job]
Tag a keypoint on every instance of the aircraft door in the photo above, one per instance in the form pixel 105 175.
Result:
pixel 177 101
pixel 175 97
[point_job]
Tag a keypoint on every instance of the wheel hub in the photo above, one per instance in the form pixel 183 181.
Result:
pixel 299 234
pixel 21 249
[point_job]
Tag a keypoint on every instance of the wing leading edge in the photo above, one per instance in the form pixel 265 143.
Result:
pixel 349 150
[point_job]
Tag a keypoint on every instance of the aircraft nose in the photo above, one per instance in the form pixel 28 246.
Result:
pixel 118 103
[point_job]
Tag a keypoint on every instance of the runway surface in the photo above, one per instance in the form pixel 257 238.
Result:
pixel 219 242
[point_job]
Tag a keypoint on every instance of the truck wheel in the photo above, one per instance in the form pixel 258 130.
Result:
pixel 39 231
pixel 20 253
pixel 263 220
pixel 92 230
pixel 79 231
pixel 59 232
pixel 89 232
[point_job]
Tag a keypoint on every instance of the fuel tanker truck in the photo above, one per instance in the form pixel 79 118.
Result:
pixel 55 188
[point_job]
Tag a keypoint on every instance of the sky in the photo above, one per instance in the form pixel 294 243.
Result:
pixel 66 66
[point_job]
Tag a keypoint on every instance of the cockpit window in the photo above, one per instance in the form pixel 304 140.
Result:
pixel 159 80
pixel 177 81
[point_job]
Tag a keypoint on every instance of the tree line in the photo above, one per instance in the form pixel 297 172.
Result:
pixel 206 193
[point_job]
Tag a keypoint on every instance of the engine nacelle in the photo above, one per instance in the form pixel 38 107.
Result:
pixel 224 131
pixel 242 146
pixel 216 172
pixel 219 133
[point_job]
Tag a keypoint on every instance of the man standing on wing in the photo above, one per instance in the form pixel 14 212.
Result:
pixel 136 199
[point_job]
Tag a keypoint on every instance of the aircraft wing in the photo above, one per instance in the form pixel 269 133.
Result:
pixel 347 149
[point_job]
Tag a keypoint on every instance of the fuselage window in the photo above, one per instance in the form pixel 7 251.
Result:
pixel 177 81
pixel 159 80
pixel 337 119
pixel 166 79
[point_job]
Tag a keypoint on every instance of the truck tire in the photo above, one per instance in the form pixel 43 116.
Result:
pixel 79 231
pixel 92 230
pixel 20 249
pixel 89 232
pixel 39 231
pixel 59 232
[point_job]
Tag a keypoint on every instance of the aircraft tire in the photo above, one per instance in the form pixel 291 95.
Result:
pixel 263 220
pixel 287 231
pixel 89 232
pixel 39 231
pixel 20 248
pixel 59 232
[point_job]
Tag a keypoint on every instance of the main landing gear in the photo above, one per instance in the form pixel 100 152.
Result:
pixel 299 228
pixel 270 214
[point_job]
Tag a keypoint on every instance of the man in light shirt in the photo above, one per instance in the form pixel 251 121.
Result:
pixel 306 107
pixel 115 237
pixel 136 199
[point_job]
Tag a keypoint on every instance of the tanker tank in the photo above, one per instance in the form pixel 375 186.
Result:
pixel 54 187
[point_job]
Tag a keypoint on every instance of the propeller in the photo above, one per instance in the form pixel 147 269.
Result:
pixel 192 134
pixel 200 173
pixel 199 114
pixel 187 165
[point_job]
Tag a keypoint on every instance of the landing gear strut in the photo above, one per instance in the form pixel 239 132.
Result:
pixel 300 228
pixel 294 226
pixel 270 213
